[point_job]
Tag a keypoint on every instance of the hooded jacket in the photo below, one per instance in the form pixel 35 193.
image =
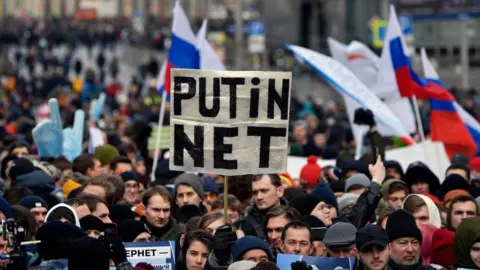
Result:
pixel 77 220
pixel 467 234
pixel 37 181
pixel 433 212
pixel 452 182
pixel 419 171
pixel 386 187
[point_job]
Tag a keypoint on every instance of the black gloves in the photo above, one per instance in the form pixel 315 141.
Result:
pixel 298 265
pixel 223 241
pixel 364 117
pixel 116 250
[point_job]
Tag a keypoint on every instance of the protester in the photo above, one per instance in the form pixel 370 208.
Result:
pixel 423 210
pixel 195 250
pixel 371 243
pixel 97 206
pixel 420 179
pixel 297 239
pixel 466 247
pixel 37 206
pixel 275 221
pixel 461 207
pixel 394 192
pixel 92 225
pixel 340 240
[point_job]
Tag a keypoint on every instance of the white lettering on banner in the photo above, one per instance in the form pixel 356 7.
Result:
pixel 229 122
pixel 148 252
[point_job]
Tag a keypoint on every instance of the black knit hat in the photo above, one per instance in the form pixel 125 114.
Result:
pixel 129 176
pixel 20 166
pixel 128 230
pixel 120 212
pixel 88 253
pixel 305 204
pixel 91 222
pixel 401 224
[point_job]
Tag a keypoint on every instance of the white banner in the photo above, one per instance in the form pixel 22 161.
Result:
pixel 229 122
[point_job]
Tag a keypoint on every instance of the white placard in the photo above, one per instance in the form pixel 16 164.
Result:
pixel 229 122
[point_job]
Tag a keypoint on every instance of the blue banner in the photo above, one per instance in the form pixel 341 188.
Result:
pixel 284 262
pixel 160 255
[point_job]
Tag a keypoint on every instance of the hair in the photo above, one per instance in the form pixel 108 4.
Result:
pixel 75 202
pixel 233 203
pixel 457 166
pixel 208 219
pixel 91 201
pixel 397 186
pixel 19 144
pixel 62 163
pixel 61 212
pixel 265 266
pixel 157 190
pixel 241 187
pixel 117 160
pixel 290 213
pixel 103 181
pixel 119 185
pixel 274 179
pixel 127 148
pixel 296 224
pixel 413 203
pixel 192 224
pixel 460 198
pixel 23 216
pixel 385 213
pixel 82 163
pixel 200 236
pixel 15 194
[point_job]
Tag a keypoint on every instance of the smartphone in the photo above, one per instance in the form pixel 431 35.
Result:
pixel 110 231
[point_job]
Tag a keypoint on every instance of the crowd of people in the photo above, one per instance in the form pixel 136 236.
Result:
pixel 376 212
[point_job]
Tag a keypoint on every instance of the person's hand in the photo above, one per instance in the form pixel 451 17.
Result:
pixel 364 117
pixel 222 243
pixel 377 171
pixel 299 265
pixel 116 250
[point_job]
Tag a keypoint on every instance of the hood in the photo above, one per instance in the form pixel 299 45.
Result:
pixel 394 164
pixel 466 235
pixel 452 182
pixel 386 187
pixel 77 220
pixel 418 171
pixel 38 181
pixel 433 212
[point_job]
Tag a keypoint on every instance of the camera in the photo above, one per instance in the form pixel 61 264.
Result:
pixel 14 233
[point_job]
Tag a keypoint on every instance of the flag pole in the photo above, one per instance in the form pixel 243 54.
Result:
pixel 225 200
pixel 158 137
pixel 419 119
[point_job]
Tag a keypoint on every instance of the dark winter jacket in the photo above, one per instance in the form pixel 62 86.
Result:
pixel 252 223
pixel 37 181
pixel 168 233
pixel 364 209
pixel 418 266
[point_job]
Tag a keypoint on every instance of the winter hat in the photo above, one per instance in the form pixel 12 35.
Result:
pixel 395 165
pixel 338 186
pixel 330 175
pixel 242 265
pixel 357 179
pixel 88 253
pixel 37 181
pixel 59 206
pixel 354 165
pixel 190 179
pixel 433 212
pixel 460 158
pixel 186 212
pixel 128 230
pixel 20 166
pixel 387 184
pixel 401 224
pixel 120 212
pixel 474 164
pixel 310 173
pixel 340 234
pixel 316 226
pixel 442 246
pixel 70 185
pixel 129 176
pixel 451 182
pixel 467 234
pixel 91 222
pixel 32 201
pixel 419 171
pixel 56 238
pixel 209 185
pixel 292 193
pixel 305 204
pixel 247 243
pixel 105 153
pixel 347 199
pixel 5 208
pixel 163 174
pixel 325 194
pixel 454 193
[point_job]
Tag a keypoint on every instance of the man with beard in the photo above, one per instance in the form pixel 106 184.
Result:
pixel 372 242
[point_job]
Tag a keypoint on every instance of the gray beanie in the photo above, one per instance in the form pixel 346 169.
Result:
pixel 190 179
pixel 357 179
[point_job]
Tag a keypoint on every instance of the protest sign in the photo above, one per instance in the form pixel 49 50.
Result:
pixel 229 122
pixel 284 262
pixel 160 255
pixel 164 138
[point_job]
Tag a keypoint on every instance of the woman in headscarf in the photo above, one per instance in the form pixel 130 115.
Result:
pixel 423 209
pixel 467 244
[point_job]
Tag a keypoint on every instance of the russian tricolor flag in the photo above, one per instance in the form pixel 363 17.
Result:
pixel 445 124
pixel 471 123
pixel 183 51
